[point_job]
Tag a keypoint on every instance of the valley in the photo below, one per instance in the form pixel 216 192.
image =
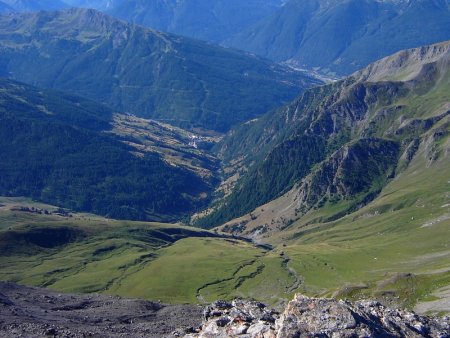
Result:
pixel 172 263
pixel 148 165
pixel 177 146
pixel 177 264
pixel 187 83
pixel 352 247
pixel 71 142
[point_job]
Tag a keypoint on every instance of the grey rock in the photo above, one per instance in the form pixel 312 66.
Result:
pixel 222 321
pixel 315 317
pixel 319 317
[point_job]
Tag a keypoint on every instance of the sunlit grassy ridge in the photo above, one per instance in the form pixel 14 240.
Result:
pixel 406 230
pixel 370 218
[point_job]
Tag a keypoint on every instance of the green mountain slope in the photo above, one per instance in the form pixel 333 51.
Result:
pixel 210 20
pixel 393 248
pixel 340 142
pixel 372 218
pixel 151 74
pixel 73 153
pixel 87 253
pixel 341 36
pixel 362 211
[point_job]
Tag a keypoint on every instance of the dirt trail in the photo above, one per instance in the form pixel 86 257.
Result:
pixel 291 272
pixel 439 305
pixel 219 281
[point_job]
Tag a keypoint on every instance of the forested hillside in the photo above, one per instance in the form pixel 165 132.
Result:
pixel 59 149
pixel 338 37
pixel 141 71
pixel 340 142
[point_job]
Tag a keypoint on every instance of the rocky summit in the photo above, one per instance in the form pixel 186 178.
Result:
pixel 316 317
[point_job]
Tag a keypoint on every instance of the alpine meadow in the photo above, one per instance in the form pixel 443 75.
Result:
pixel 211 168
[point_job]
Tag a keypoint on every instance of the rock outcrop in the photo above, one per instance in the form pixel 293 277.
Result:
pixel 316 317
pixel 238 318
pixel 37 312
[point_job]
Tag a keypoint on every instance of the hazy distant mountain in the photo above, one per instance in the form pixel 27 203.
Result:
pixel 211 20
pixel 35 5
pixel 4 8
pixel 341 36
pixel 151 74
pixel 335 37
pixel 96 4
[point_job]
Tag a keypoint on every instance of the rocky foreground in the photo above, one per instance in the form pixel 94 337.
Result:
pixel 35 312
pixel 316 317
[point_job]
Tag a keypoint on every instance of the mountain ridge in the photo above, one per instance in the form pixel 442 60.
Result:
pixel 75 153
pixel 346 219
pixel 404 65
pixel 219 319
pixel 212 20
pixel 324 35
pixel 35 5
pixel 339 116
pixel 187 82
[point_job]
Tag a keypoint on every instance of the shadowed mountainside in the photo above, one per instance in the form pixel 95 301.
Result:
pixel 148 73
pixel 78 154
pixel 338 37
pixel 210 20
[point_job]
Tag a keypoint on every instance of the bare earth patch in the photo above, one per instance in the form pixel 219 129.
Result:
pixel 440 305
pixel 34 312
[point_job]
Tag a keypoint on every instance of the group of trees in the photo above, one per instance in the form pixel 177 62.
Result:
pixel 60 159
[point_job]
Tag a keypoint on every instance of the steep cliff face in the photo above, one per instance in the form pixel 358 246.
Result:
pixel 359 168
